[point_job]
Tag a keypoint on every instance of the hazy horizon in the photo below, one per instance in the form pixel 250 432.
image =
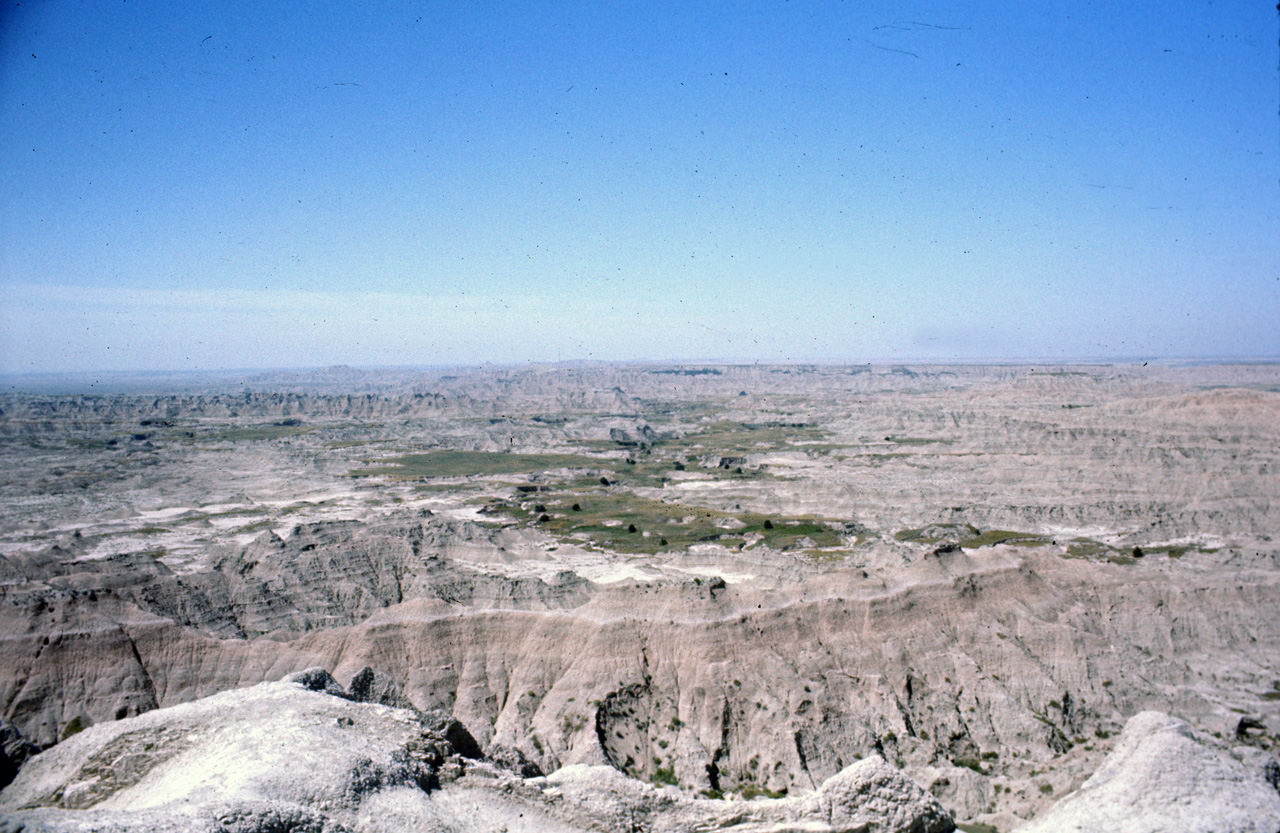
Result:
pixel 399 185
pixel 72 382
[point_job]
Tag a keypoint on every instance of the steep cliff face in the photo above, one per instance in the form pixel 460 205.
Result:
pixel 998 661
pixel 75 624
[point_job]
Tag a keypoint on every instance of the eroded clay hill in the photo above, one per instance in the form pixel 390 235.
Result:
pixel 736 580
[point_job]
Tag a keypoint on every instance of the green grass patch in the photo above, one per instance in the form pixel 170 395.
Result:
pixel 727 437
pixel 750 791
pixel 74 726
pixel 937 533
pixel 970 763
pixel 617 520
pixel 968 536
pixel 254 433
pixel 1002 536
pixel 1087 548
pixel 917 441
pixel 828 556
pixel 470 463
pixel 1178 550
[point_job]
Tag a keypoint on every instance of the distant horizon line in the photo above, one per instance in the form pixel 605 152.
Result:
pixel 10 376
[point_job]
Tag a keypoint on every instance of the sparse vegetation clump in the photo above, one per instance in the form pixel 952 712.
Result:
pixel 992 537
pixel 749 791
pixel 970 763
pixel 253 433
pixel 74 726
pixel 622 521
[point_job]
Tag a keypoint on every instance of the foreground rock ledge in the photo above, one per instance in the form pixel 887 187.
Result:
pixel 299 756
pixel 1164 776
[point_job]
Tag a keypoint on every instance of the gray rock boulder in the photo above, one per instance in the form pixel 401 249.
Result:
pixel 1163 776
pixel 370 685
pixel 511 758
pixel 318 679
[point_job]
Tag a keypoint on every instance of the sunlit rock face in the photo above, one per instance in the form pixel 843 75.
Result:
pixel 975 574
pixel 1162 775
pixel 301 755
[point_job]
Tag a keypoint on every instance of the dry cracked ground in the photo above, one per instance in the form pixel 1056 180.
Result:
pixel 733 580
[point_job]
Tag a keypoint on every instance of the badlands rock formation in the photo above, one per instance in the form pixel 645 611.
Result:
pixel 726 580
pixel 298 756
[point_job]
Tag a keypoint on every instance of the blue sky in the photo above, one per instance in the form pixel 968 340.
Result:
pixel 205 186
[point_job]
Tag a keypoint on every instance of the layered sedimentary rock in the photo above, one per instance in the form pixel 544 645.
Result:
pixel 992 569
pixel 996 657
pixel 299 755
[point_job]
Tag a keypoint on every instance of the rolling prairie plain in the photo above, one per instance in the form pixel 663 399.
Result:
pixel 731 580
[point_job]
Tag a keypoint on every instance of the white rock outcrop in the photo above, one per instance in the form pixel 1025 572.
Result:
pixel 869 796
pixel 299 756
pixel 1163 776
pixel 286 756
